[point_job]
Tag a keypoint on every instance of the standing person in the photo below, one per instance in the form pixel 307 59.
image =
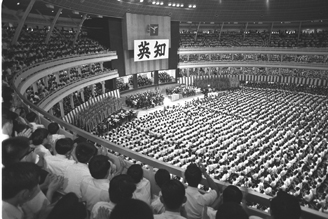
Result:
pixel 53 136
pixel 195 200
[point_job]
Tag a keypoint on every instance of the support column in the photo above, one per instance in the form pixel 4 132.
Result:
pixel 57 77
pixel 299 31
pixel 270 32
pixel 221 30
pixel 22 21
pixel 281 57
pixel 79 28
pixel 245 30
pixel 71 101
pixel 53 25
pixel 51 112
pixel 102 66
pixel 82 95
pixel 92 90
pixel 103 87
pixel 135 81
pixel 35 87
pixel 69 73
pixel 156 81
pixel 46 82
pixel 61 106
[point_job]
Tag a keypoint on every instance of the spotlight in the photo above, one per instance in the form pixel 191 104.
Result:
pixel 169 4
pixel 173 5
pixel 18 3
pixel 190 6
pixel 162 3
pixel 194 6
pixel 141 0
pixel 157 3
pixel 154 3
pixel 181 5
pixel 178 5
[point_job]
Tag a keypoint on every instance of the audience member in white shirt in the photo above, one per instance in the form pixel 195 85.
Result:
pixel 31 118
pixel 39 138
pixel 95 188
pixel 53 136
pixel 143 190
pixel 173 196
pixel 76 172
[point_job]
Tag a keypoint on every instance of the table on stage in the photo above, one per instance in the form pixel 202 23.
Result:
pixel 175 97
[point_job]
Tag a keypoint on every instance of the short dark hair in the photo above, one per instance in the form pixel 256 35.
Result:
pixel 132 209
pixel 231 210
pixel 68 207
pixel 31 116
pixel 53 128
pixel 12 148
pixel 84 152
pixel 39 135
pixel 136 172
pixel 285 206
pixel 193 175
pixel 63 146
pixel 232 194
pixel 99 166
pixel 121 188
pixel 173 193
pixel 162 176
pixel 17 177
pixel 79 140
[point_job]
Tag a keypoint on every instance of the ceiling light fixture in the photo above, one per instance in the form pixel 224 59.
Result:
pixel 157 3
pixel 18 3
pixel 181 5
pixel 162 3
pixel 169 4
pixel 141 0
pixel 153 3
pixel 178 5
pixel 173 5
pixel 194 6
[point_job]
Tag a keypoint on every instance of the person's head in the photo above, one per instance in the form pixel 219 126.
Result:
pixel 19 182
pixel 193 175
pixel 136 172
pixel 232 194
pixel 63 146
pixel 99 166
pixel 30 117
pixel 14 150
pixel 84 152
pixel 132 209
pixel 161 177
pixel 173 195
pixel 231 210
pixel 68 207
pixel 7 121
pixel 285 206
pixel 53 128
pixel 121 188
pixel 79 140
pixel 39 136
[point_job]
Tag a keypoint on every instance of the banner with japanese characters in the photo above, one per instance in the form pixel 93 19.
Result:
pixel 145 50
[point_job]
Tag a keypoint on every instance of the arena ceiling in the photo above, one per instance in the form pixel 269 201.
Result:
pixel 204 10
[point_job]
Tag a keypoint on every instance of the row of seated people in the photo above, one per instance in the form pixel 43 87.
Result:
pixel 32 49
pixel 288 58
pixel 295 72
pixel 251 38
pixel 147 99
pixel 141 81
pixel 225 130
pixel 164 77
pixel 121 85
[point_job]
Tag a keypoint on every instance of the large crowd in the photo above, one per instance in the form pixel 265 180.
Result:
pixel 141 81
pixel 144 100
pixel 239 57
pixel 235 133
pixel 253 39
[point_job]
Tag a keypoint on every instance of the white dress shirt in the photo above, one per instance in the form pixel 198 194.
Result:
pixel 107 205
pixel 11 212
pixel 57 164
pixel 143 191
pixel 196 201
pixel 94 190
pixel 74 174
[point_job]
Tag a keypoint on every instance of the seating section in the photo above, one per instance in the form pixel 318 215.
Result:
pixel 253 39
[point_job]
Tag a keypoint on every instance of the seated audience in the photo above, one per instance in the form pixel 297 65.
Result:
pixel 94 189
pixel 143 191
pixel 121 188
pixel 173 196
